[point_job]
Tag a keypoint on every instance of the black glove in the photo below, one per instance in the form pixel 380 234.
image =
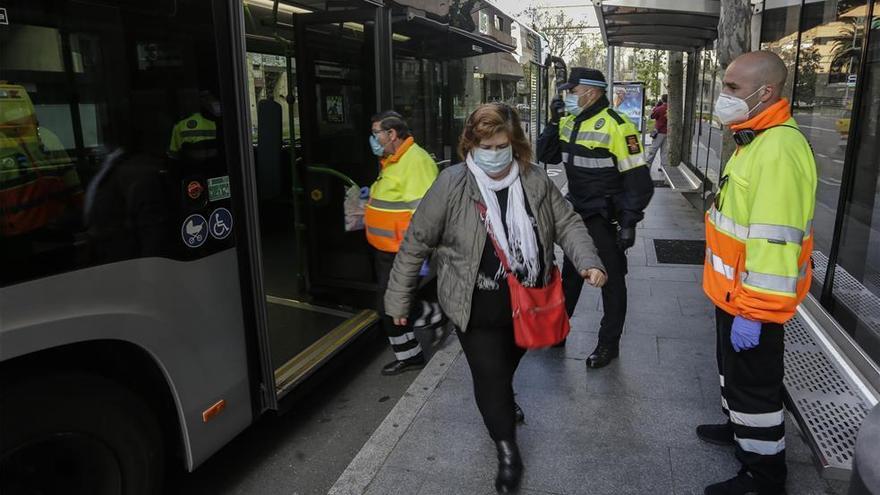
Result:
pixel 626 237
pixel 557 106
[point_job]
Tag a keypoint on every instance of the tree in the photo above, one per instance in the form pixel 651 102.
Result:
pixel 650 68
pixel 734 39
pixel 561 31
pixel 590 53
pixel 805 92
pixel 675 107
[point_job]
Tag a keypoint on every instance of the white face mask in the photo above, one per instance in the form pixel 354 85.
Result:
pixel 492 162
pixel 732 110
pixel 571 104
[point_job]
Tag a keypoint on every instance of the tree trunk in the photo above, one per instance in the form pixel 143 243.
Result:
pixel 675 107
pixel 734 39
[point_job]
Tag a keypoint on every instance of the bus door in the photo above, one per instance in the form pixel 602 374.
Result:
pixel 312 91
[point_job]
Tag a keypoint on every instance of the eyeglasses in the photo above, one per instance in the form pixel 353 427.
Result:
pixel 721 185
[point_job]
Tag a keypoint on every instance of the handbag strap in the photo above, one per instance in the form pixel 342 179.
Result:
pixel 498 251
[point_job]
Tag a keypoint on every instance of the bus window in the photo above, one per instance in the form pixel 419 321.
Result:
pixel 110 137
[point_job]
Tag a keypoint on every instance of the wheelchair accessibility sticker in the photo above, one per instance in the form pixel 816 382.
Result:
pixel 220 223
pixel 194 231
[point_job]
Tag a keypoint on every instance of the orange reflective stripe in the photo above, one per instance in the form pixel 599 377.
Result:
pixel 385 229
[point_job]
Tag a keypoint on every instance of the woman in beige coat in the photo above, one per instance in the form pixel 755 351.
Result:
pixel 527 215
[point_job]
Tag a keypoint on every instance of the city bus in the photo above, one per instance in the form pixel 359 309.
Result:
pixel 174 260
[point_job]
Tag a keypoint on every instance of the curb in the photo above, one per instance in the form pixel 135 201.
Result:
pixel 369 460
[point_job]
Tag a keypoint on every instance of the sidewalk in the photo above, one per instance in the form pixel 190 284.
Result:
pixel 624 429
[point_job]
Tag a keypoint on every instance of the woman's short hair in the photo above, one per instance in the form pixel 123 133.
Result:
pixel 488 120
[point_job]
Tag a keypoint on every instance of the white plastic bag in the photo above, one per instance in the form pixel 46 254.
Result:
pixel 355 202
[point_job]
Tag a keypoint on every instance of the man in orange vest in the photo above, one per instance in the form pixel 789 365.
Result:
pixel 407 173
pixel 759 238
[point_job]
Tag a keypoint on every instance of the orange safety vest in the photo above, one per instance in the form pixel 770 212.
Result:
pixel 759 237
pixel 405 178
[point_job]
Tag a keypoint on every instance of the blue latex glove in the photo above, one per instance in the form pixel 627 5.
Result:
pixel 745 333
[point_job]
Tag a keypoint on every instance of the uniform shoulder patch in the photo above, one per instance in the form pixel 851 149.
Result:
pixel 599 123
pixel 191 124
pixel 616 116
pixel 632 144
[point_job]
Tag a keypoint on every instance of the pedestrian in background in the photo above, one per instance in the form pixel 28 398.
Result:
pixel 658 135
pixel 526 215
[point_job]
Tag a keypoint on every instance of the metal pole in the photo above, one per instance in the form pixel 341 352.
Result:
pixel 609 72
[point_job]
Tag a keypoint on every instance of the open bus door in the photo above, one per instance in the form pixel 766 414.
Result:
pixel 313 86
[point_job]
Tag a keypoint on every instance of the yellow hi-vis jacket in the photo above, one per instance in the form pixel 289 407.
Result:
pixel 195 137
pixel 405 178
pixel 759 233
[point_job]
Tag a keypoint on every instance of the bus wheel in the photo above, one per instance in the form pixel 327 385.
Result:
pixel 77 434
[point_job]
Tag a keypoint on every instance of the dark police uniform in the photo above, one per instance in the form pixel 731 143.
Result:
pixel 609 185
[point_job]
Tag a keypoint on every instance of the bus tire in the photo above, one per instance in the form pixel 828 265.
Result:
pixel 78 433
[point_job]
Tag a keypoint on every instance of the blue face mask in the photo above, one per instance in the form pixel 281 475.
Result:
pixel 492 162
pixel 376 146
pixel 571 104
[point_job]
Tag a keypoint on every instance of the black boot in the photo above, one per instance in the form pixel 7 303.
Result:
pixel 602 356
pixel 519 416
pixel 397 367
pixel 718 434
pixel 510 466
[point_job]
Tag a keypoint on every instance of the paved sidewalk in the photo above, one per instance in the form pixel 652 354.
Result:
pixel 624 429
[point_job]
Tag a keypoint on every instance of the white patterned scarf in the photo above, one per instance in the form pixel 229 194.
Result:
pixel 520 246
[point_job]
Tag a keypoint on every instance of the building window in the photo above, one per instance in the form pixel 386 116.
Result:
pixel 499 23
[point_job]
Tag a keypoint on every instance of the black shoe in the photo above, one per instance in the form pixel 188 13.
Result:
pixel 519 417
pixel 602 356
pixel 560 344
pixel 398 367
pixel 718 434
pixel 741 484
pixel 510 466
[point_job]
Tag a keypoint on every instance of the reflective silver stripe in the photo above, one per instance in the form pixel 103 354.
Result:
pixel 630 162
pixel 394 205
pixel 763 447
pixel 727 224
pixel 198 133
pixel 722 379
pixel 403 339
pixel 776 233
pixel 599 137
pixel 415 351
pixel 380 232
pixel 565 155
pixel 778 283
pixel 719 266
pixel 764 420
pixel 584 162
pixel 724 404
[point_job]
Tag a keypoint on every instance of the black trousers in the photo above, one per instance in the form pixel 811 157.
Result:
pixel 751 396
pixel 493 358
pixel 402 338
pixel 604 234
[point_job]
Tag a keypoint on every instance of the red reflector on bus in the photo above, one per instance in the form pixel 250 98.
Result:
pixel 214 410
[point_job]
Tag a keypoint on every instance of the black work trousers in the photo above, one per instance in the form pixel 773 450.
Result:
pixel 402 338
pixel 604 234
pixel 493 357
pixel 751 396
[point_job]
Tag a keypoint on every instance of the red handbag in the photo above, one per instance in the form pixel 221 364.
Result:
pixel 539 317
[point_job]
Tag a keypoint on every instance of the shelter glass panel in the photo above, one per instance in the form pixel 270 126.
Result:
pixel 832 33
pixel 856 293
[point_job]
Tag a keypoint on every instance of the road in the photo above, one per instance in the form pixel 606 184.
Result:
pixel 305 450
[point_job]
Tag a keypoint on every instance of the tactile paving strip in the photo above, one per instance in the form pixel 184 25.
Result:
pixel 827 406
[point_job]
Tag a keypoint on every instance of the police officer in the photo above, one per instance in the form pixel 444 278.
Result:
pixel 609 185
pixel 759 238
pixel 407 173
pixel 194 139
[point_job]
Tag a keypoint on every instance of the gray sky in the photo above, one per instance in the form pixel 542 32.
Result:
pixel 577 9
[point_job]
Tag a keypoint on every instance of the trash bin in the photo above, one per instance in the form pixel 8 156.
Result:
pixel 866 463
